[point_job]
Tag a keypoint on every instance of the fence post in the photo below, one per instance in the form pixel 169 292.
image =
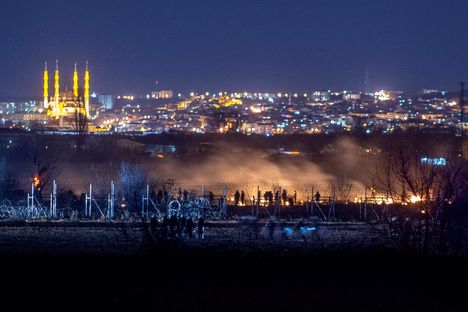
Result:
pixel 365 202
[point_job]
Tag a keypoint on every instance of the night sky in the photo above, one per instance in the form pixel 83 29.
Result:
pixel 253 45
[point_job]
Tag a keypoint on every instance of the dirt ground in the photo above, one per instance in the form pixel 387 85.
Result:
pixel 133 239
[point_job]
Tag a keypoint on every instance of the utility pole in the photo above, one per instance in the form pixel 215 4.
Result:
pixel 53 200
pixel 367 81
pixel 462 103
pixel 88 202
pixel 462 119
pixel 110 202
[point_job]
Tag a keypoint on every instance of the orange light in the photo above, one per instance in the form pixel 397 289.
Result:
pixel 415 199
pixel 36 181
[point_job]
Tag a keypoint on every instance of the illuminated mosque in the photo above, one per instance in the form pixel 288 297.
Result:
pixel 66 103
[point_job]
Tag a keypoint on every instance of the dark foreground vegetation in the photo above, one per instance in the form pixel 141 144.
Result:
pixel 199 278
pixel 427 254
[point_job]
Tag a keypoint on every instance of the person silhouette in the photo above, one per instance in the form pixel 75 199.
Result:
pixel 201 228
pixel 236 198
pixel 317 197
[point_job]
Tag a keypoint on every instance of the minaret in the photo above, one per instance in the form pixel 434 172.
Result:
pixel 86 90
pixel 56 86
pixel 75 83
pixel 46 87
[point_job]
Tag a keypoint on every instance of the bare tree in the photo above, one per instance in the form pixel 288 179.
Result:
pixel 81 124
pixel 132 181
pixel 8 182
pixel 422 192
pixel 45 163
pixel 101 176
pixel 344 188
pixel 3 177
pixel 452 206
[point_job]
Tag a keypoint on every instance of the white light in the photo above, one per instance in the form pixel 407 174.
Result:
pixel 415 198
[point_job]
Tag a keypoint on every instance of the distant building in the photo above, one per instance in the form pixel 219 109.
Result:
pixel 157 149
pixel 130 145
pixel 429 91
pixel 163 94
pixel 107 100
pixel 66 103
pixel 351 96
pixel 19 117
pixel 19 107
pixel 321 96
pixel 387 95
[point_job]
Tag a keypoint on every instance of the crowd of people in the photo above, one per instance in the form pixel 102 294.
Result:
pixel 268 197
pixel 177 227
pixel 271 197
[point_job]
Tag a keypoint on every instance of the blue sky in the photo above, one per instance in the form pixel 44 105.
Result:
pixel 236 45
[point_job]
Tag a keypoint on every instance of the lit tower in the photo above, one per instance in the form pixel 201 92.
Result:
pixel 75 83
pixel 56 86
pixel 46 87
pixel 86 90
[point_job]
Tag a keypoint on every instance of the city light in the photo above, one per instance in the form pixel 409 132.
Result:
pixel 438 161
pixel 283 113
pixel 300 146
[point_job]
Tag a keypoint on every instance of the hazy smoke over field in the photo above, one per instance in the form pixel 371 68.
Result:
pixel 238 166
pixel 348 152
pixel 345 162
pixel 244 168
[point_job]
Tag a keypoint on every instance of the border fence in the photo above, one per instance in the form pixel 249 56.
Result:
pixel 329 202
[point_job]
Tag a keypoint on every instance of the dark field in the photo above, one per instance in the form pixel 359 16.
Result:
pixel 118 265
pixel 95 238
pixel 121 265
